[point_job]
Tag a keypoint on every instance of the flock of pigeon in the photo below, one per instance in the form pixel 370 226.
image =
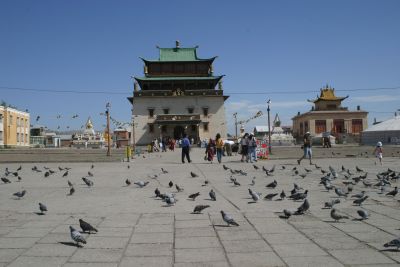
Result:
pixel 340 182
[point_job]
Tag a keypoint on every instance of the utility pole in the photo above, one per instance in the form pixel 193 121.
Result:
pixel 236 134
pixel 269 126
pixel 108 129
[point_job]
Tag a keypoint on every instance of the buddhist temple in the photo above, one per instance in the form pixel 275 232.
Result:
pixel 88 138
pixel 178 94
pixel 329 117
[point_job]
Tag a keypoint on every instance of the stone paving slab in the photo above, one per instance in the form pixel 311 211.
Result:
pixel 135 229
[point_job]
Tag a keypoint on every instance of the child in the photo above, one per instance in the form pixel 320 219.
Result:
pixel 379 152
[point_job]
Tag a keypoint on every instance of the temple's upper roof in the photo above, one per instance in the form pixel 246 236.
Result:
pixel 328 94
pixel 177 54
pixel 178 78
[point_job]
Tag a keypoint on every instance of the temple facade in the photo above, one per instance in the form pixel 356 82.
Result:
pixel 178 94
pixel 327 116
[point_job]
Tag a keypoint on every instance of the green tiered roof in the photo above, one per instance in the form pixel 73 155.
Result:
pixel 185 78
pixel 177 54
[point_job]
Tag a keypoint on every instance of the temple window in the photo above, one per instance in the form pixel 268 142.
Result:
pixel 205 112
pixel 151 128
pixel 356 125
pixel 166 110
pixel 190 110
pixel 151 112
pixel 320 126
pixel 205 127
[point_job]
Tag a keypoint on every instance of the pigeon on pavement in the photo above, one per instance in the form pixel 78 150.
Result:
pixel 71 191
pixel 193 196
pixel 20 194
pixel 128 182
pixel 337 216
pixel 77 236
pixel 287 213
pixel 212 195
pixel 393 243
pixel 87 181
pixel 193 174
pixel 5 180
pixel 363 214
pixel 141 183
pixel 42 208
pixel 359 201
pixel 282 195
pixel 86 227
pixel 272 185
pixel 199 208
pixel 332 203
pixel 170 184
pixel 228 219
pixel 65 174
pixel 270 196
pixel 303 207
pixel 393 192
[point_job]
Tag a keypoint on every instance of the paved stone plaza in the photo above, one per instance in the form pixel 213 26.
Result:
pixel 136 229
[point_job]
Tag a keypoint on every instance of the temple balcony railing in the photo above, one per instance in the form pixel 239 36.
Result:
pixel 177 119
pixel 179 92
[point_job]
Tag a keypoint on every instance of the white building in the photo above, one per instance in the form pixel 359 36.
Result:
pixel 387 132
pixel 178 95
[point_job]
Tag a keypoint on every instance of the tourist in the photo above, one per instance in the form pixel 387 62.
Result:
pixel 252 145
pixel 307 143
pixel 210 150
pixel 219 144
pixel 185 144
pixel 379 152
pixel 244 146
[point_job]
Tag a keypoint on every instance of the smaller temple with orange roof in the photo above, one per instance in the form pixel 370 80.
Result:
pixel 329 117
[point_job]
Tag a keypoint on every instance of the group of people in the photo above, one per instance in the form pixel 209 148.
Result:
pixel 158 145
pixel 215 147
pixel 248 145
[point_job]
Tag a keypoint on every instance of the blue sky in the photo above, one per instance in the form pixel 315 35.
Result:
pixel 269 47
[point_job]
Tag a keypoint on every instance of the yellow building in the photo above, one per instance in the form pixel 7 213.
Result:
pixel 14 127
pixel 328 116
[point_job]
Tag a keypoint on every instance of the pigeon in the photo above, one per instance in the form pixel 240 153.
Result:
pixel 178 188
pixel 20 194
pixel 256 196
pixel 77 236
pixel 270 196
pixel 225 168
pixel 359 201
pixel 303 175
pixel 128 182
pixel 193 196
pixel 307 170
pixel 253 181
pixel 86 227
pixel 340 192
pixel 367 184
pixel 42 208
pixel 157 192
pixel 47 174
pixel 90 174
pixel 164 170
pixel 255 167
pixel 170 201
pixel 19 168
pixel 393 243
pixel 65 174
pixel 141 183
pixel 87 181
pixel 283 167
pixel 59 168
pixel 363 214
pixel 228 219
pixel 236 183
pixel 199 208
pixel 358 169
pixel 19 178
pixel 303 207
pixel 206 182
pixel 331 203
pixel 359 195
pixel 272 185
pixel 393 192
pixel 287 213
pixel 51 171
pixel 282 195
pixel 299 195
pixel 170 184
pixel 71 191
pixel 328 186
pixel 5 180
pixel 93 166
pixel 212 195
pixel 193 174
pixel 336 216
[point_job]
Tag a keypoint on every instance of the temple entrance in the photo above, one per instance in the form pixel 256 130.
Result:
pixel 178 132
pixel 338 126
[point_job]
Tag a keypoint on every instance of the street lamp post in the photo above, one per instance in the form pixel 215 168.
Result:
pixel 235 116
pixel 269 126
pixel 108 129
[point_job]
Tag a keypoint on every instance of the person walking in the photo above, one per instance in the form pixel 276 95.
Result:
pixel 307 143
pixel 379 152
pixel 219 143
pixel 244 146
pixel 252 148
pixel 185 148
pixel 210 150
